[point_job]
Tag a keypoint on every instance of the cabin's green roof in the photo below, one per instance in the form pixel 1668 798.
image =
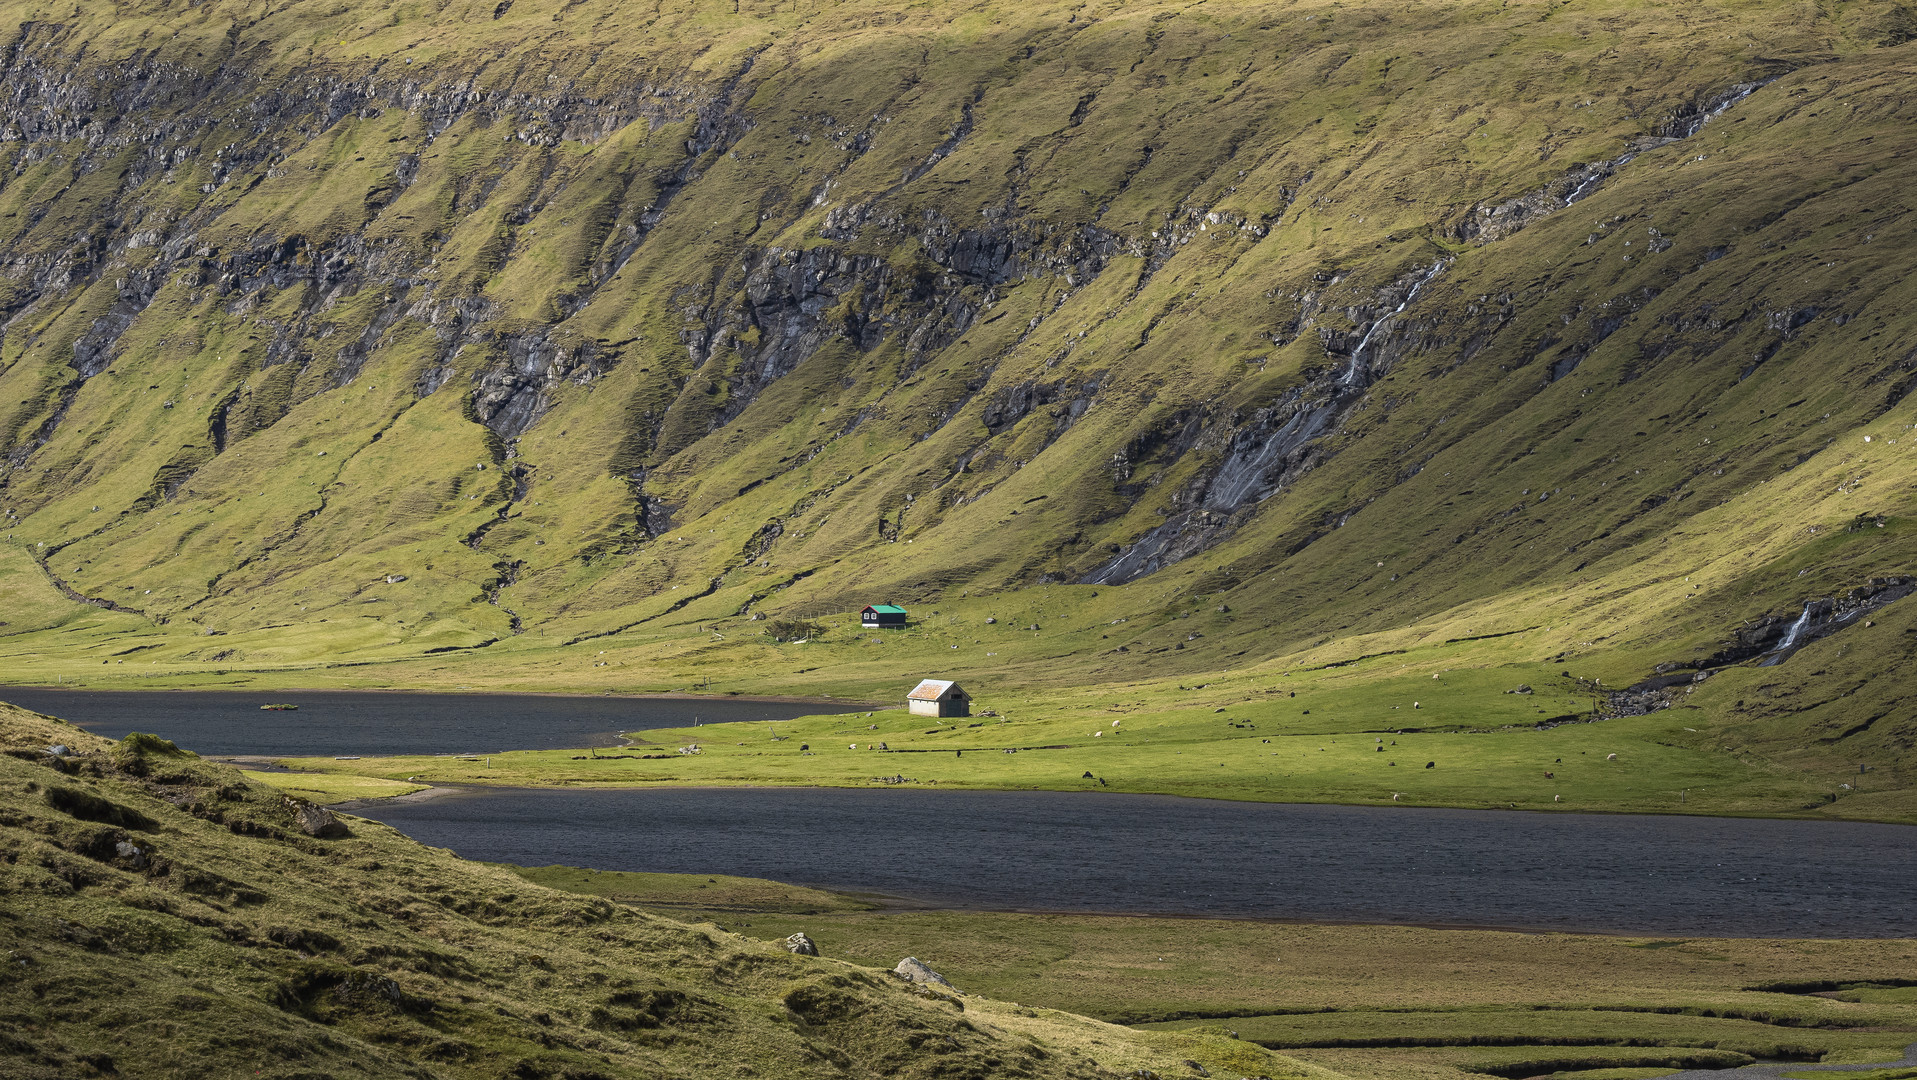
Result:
pixel 886 609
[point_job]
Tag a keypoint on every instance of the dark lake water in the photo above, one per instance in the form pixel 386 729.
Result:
pixel 332 723
pixel 1073 851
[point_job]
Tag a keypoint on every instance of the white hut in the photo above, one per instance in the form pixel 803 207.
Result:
pixel 938 697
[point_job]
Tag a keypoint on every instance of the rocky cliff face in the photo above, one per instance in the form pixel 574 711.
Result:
pixel 743 303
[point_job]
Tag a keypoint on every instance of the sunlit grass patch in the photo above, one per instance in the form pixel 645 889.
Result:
pixel 333 788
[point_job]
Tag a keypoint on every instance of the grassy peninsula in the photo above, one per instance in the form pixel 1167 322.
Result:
pixel 1440 725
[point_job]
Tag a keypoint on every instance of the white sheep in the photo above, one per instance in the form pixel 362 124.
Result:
pixel 1610 757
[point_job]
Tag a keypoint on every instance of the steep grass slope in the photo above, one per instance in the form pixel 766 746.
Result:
pixel 583 334
pixel 168 918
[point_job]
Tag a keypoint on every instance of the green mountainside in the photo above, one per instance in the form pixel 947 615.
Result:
pixel 576 346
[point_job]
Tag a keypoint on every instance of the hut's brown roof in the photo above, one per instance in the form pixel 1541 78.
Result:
pixel 932 689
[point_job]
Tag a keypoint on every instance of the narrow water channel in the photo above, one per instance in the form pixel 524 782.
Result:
pixel 330 723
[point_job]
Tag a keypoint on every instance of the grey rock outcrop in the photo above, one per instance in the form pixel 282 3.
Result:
pixel 801 945
pixel 316 820
pixel 914 970
pixel 134 856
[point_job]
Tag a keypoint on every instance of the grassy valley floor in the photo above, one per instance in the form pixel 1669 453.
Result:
pixel 1054 680
pixel 1266 746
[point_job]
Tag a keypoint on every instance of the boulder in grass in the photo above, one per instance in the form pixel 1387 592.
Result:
pixel 914 970
pixel 131 853
pixel 801 945
pixel 316 820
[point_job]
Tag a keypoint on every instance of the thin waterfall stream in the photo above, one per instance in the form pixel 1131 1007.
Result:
pixel 1357 354
pixel 1791 636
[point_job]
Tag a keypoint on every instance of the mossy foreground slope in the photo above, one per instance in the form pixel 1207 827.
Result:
pixel 165 917
pixel 547 345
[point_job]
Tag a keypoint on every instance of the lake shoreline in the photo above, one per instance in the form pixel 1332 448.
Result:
pixel 433 792
pixel 890 904
pixel 339 727
pixel 478 785
pixel 484 787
